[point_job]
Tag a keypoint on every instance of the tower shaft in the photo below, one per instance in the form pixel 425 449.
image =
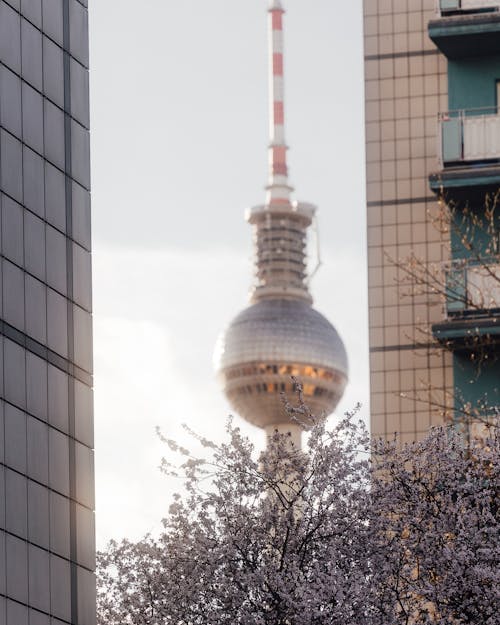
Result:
pixel 280 225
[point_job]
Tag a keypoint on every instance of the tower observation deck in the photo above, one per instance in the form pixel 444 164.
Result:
pixel 280 335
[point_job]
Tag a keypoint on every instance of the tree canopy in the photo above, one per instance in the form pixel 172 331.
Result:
pixel 346 531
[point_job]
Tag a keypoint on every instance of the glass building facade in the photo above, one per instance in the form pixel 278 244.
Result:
pixel 47 552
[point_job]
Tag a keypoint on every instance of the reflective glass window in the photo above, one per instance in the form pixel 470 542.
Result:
pixel 14 374
pixel 59 525
pixel 38 450
pixel 58 462
pixel 33 179
pixel 84 421
pixel 85 537
pixel 39 578
pixel 53 72
pixel 15 434
pixel 80 93
pixel 55 197
pixel 54 134
pixel 60 579
pixel 58 398
pixel 32 9
pixel 36 309
pixel 32 118
pixel 10 100
pixel 57 323
pixel 82 277
pixel 81 215
pixel 11 170
pixel 17 614
pixel 34 245
pixel 38 524
pixel 83 338
pixel 17 568
pixel 79 32
pixel 80 154
pixel 10 37
pixel 31 54
pixel 12 230
pixel 36 386
pixel 86 597
pixel 84 461
pixel 52 15
pixel 13 294
pixel 16 504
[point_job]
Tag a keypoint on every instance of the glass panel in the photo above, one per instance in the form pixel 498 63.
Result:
pixel 84 420
pixel 59 524
pixel 38 522
pixel 16 504
pixel 86 597
pixel 83 338
pixel 39 578
pixel 34 248
pixel 56 259
pixel 82 278
pixel 15 436
pixel 10 40
pixel 85 537
pixel 36 386
pixel 11 170
pixel 58 398
pixel 13 295
pixel 53 19
pixel 32 9
pixel 38 450
pixel 79 93
pixel 14 373
pixel 54 134
pixel 12 230
pixel 53 73
pixel 32 118
pixel 10 101
pixel 84 459
pixel 58 462
pixel 79 36
pixel 31 57
pixel 81 215
pixel 57 323
pixel 55 197
pixel 36 309
pixel 60 578
pixel 80 154
pixel 452 140
pixel 33 178
pixel 16 614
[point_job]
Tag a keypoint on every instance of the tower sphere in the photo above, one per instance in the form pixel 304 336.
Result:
pixel 267 344
pixel 280 336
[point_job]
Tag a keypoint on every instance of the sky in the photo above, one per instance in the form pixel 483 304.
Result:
pixel 179 150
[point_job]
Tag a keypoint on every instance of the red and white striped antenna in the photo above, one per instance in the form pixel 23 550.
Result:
pixel 278 189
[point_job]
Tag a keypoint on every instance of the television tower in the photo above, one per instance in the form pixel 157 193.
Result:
pixel 280 335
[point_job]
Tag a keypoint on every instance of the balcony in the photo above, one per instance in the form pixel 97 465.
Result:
pixel 468 151
pixel 466 28
pixel 472 288
pixel 472 309
pixel 459 7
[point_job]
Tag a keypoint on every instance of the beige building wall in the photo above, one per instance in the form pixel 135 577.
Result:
pixel 406 88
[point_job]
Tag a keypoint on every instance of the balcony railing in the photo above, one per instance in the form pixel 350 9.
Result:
pixel 469 136
pixel 447 7
pixel 472 288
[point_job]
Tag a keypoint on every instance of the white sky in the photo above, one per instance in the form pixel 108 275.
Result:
pixel 179 138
